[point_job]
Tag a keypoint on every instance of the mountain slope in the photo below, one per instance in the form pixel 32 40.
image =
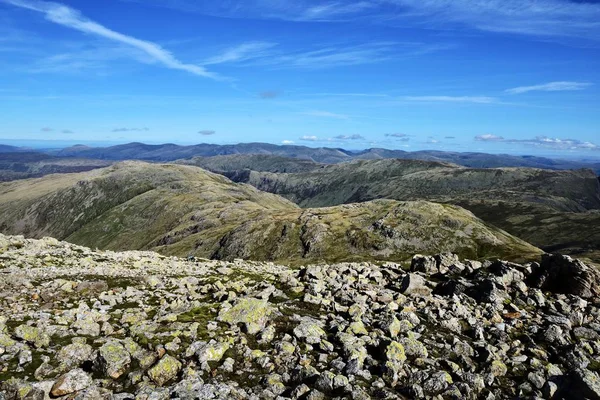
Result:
pixel 551 209
pixel 183 210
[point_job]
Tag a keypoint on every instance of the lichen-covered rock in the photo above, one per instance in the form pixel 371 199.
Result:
pixel 32 335
pixel 165 370
pixel 75 354
pixel 252 313
pixel 114 359
pixel 73 381
pixel 212 351
pixel 310 330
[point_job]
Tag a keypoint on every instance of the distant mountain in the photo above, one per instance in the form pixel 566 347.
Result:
pixel 23 165
pixel 171 152
pixel 183 210
pixel 554 210
pixel 4 148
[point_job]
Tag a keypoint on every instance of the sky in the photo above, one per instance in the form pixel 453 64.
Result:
pixel 510 76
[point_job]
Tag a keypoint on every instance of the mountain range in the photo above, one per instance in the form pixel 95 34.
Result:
pixel 171 152
pixel 302 195
pixel 184 210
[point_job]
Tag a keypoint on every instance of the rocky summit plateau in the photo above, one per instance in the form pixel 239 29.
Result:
pixel 82 324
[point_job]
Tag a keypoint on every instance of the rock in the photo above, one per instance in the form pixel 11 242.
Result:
pixel 114 359
pixel 75 354
pixel 446 261
pixel 561 274
pixel 32 335
pixel 414 285
pixel 212 351
pixel 587 384
pixel 487 291
pixel 73 381
pixel 498 368
pixel 253 313
pixel 413 347
pixel 310 330
pixel 165 370
pixel 425 264
pixel 437 383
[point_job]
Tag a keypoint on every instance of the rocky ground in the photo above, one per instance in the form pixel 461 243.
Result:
pixel 80 324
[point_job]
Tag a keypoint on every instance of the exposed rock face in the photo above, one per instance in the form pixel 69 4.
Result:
pixel 199 329
pixel 561 274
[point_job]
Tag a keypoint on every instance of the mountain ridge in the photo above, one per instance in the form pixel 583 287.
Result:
pixel 183 210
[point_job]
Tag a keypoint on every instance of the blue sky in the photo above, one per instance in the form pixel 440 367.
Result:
pixel 517 76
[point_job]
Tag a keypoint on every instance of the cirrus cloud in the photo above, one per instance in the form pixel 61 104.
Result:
pixel 561 86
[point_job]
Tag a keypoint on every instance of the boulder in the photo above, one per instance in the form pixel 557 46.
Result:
pixel 73 381
pixel 561 274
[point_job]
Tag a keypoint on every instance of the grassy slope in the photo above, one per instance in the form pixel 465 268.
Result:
pixel 182 210
pixel 546 208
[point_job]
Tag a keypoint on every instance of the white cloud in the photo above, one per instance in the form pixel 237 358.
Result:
pixel 71 18
pixel 488 137
pixel 451 99
pixel 550 87
pixel 309 138
pixel 287 142
pixel 325 114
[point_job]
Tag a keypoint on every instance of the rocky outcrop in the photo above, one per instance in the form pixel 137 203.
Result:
pixel 561 274
pixel 189 329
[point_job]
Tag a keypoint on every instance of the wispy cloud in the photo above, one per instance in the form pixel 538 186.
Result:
pixel 545 18
pixel 528 17
pixel 46 129
pixel 325 114
pixel 242 52
pixel 543 141
pixel 333 56
pixel 298 10
pixel 560 86
pixel 396 135
pixel 67 131
pixel 207 132
pixel 349 137
pixel 309 138
pixel 71 18
pixel 451 99
pixel 131 130
pixel 488 137
pixel 287 142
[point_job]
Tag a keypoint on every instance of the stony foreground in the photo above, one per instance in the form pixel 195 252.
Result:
pixel 79 324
